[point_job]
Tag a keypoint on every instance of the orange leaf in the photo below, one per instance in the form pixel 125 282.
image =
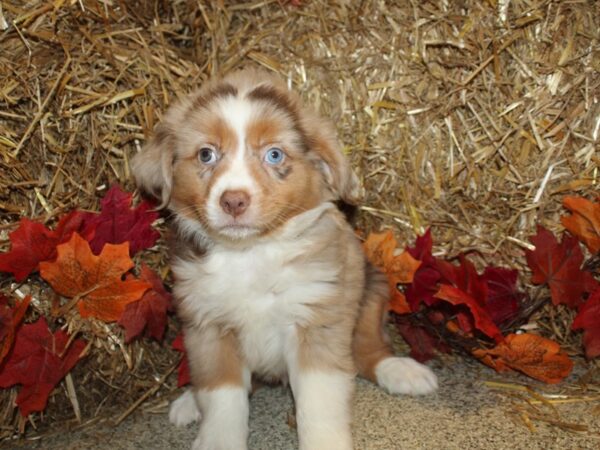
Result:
pixel 535 356
pixel 380 249
pixel 95 281
pixel 10 318
pixel 398 302
pixel 584 221
pixel 402 268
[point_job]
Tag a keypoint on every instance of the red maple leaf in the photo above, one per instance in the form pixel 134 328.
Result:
pixel 183 372
pixel 559 266
pixel 423 287
pixel 423 345
pixel 150 312
pixel 588 319
pixel 32 243
pixel 495 291
pixel 38 361
pixel 482 320
pixel 464 277
pixel 423 248
pixel 118 223
pixel 10 318
pixel 426 278
pixel 503 300
pixel 6 317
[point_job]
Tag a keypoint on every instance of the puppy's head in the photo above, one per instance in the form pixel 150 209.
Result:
pixel 242 156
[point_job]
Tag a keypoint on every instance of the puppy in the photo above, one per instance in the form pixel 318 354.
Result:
pixel 270 279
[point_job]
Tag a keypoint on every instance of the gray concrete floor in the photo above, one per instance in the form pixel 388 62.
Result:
pixel 464 414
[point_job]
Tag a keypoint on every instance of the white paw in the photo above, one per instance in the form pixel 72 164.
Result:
pixel 210 443
pixel 184 410
pixel 405 376
pixel 200 444
pixel 224 419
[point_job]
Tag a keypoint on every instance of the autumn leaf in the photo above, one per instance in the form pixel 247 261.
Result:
pixel 10 318
pixel 183 371
pixel 423 345
pixel 535 356
pixel 426 278
pixel 423 248
pixel 559 266
pixel 423 287
pixel 584 221
pixel 503 301
pixel 149 312
pixel 94 281
pixel 118 223
pixel 588 319
pixel 492 295
pixel 464 277
pixel 38 361
pixel 380 249
pixel 32 243
pixel 483 322
pixel 495 290
pixel 400 270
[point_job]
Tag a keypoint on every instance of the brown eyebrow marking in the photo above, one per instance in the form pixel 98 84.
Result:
pixel 280 100
pixel 273 96
pixel 220 91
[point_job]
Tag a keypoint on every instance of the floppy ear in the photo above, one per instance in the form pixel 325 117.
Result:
pixel 335 167
pixel 153 167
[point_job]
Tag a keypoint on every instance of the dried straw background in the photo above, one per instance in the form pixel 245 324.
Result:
pixel 473 117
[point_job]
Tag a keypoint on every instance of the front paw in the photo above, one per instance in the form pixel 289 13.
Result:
pixel 224 419
pixel 405 376
pixel 184 410
pixel 220 438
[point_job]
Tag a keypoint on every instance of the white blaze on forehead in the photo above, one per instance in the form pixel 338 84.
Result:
pixel 237 113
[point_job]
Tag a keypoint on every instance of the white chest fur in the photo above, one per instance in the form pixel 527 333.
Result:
pixel 262 292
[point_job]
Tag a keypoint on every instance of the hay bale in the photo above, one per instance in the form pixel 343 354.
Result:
pixel 471 117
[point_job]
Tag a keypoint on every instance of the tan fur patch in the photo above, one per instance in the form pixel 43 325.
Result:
pixel 326 343
pixel 370 344
pixel 214 358
pixel 218 133
pixel 264 131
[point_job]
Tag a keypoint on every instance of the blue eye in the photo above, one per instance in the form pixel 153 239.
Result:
pixel 274 156
pixel 207 155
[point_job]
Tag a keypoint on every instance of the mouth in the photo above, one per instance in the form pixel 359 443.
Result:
pixel 238 231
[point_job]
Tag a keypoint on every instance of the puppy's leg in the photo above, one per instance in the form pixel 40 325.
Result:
pixel 372 352
pixel 323 390
pixel 184 410
pixel 220 387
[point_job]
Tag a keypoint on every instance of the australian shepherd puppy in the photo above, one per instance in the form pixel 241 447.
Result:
pixel 270 279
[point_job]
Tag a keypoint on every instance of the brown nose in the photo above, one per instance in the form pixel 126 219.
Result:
pixel 234 203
